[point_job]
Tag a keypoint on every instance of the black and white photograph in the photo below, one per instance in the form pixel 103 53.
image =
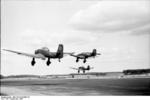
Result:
pixel 75 48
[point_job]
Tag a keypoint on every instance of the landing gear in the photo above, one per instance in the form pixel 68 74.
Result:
pixel 78 71
pixel 77 60
pixel 48 62
pixel 84 61
pixel 83 71
pixel 33 62
pixel 59 60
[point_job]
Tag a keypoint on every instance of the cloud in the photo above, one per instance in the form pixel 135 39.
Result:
pixel 40 38
pixel 113 16
pixel 142 30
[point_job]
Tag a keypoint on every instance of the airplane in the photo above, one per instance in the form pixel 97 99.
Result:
pixel 43 53
pixel 82 68
pixel 85 55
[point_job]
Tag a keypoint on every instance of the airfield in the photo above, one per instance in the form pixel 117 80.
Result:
pixel 114 83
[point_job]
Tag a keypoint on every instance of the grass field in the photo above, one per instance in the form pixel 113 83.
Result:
pixel 124 86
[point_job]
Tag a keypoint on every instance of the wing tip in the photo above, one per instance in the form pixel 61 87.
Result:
pixel 5 49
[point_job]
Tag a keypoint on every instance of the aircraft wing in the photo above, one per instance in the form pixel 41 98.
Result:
pixel 73 55
pixel 68 53
pixel 97 55
pixel 40 56
pixel 74 68
pixel 80 56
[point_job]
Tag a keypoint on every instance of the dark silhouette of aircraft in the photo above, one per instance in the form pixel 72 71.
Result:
pixel 82 68
pixel 43 53
pixel 85 55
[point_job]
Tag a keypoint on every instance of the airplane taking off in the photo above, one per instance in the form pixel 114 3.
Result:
pixel 85 55
pixel 82 68
pixel 43 53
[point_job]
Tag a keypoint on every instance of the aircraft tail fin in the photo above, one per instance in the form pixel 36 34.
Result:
pixel 88 67
pixel 94 52
pixel 60 51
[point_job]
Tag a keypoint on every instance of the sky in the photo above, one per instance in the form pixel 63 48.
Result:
pixel 118 29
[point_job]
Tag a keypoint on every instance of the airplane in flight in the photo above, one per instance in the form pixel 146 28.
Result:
pixel 44 53
pixel 82 68
pixel 85 55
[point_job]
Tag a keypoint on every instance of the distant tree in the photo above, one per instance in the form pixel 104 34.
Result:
pixel 136 71
pixel 1 76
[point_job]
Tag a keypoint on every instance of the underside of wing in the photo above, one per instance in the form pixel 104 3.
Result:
pixel 68 53
pixel 73 55
pixel 92 57
pixel 78 56
pixel 40 56
pixel 81 56
pixel 98 54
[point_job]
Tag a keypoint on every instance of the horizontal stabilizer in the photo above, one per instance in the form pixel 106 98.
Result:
pixel 98 53
pixel 74 68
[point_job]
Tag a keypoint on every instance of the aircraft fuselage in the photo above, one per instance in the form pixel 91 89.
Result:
pixel 83 69
pixel 84 55
pixel 47 53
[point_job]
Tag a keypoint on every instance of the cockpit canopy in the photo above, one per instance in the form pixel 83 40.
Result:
pixel 45 48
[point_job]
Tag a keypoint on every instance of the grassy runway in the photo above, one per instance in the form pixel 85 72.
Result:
pixel 124 86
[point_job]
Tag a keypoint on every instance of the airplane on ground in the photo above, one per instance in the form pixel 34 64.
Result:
pixel 44 53
pixel 82 68
pixel 85 55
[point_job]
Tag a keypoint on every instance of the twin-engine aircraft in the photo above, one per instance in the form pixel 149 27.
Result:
pixel 85 55
pixel 43 53
pixel 82 68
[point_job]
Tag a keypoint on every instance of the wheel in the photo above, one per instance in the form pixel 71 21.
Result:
pixel 77 60
pixel 78 71
pixel 84 61
pixel 83 71
pixel 48 63
pixel 59 60
pixel 33 62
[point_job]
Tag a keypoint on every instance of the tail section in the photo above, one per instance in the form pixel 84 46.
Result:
pixel 94 52
pixel 60 51
pixel 88 67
